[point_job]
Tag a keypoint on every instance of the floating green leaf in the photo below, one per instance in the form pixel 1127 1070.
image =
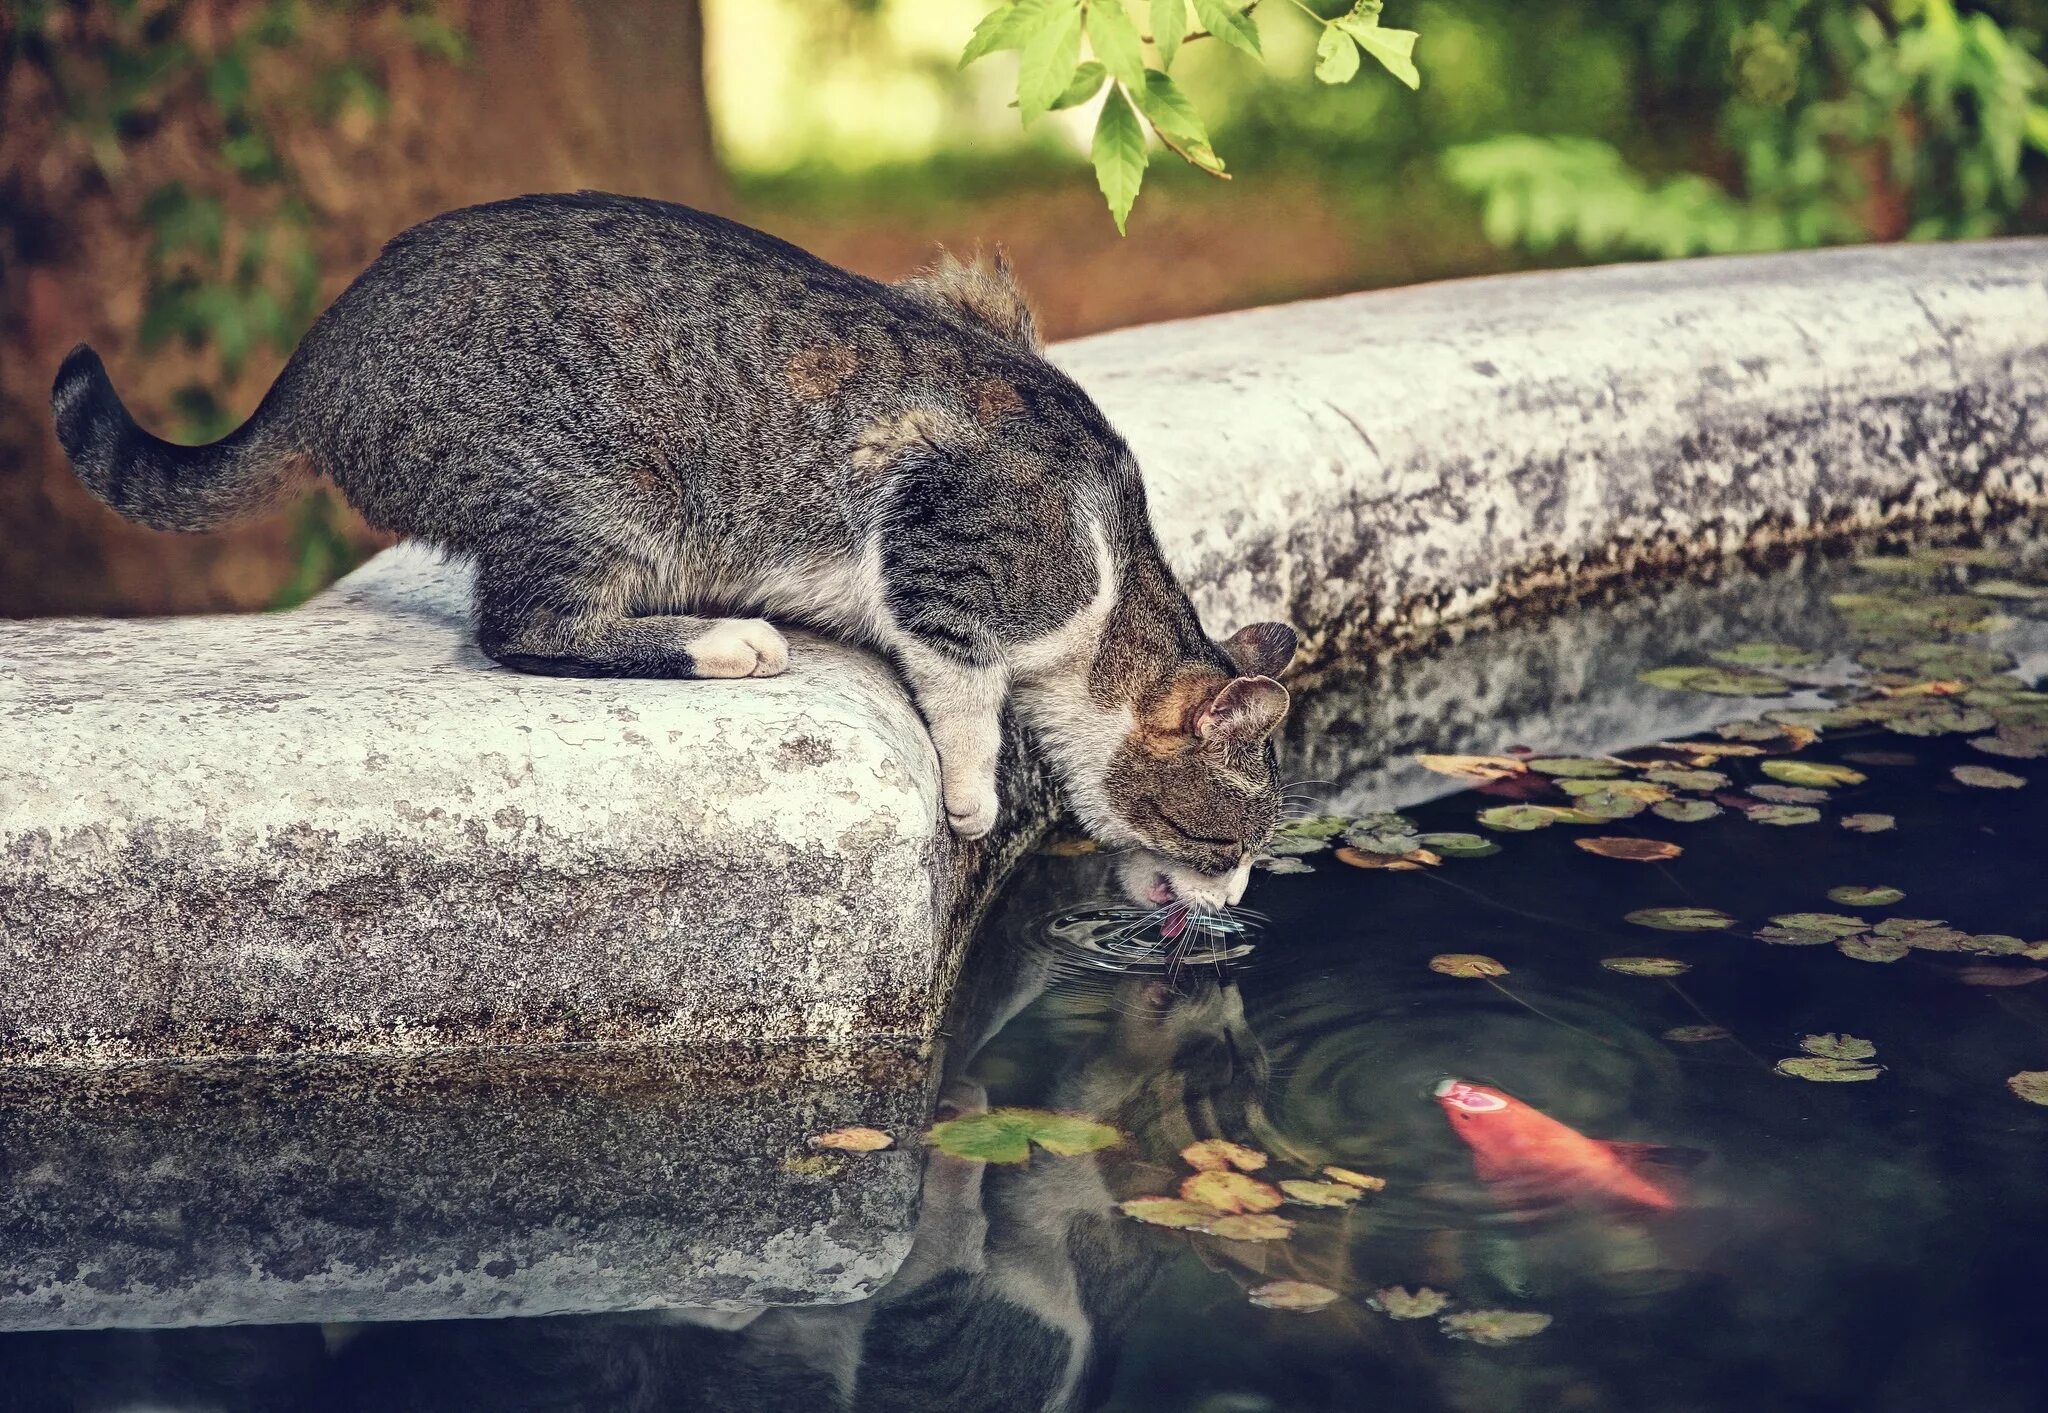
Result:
pixel 1716 681
pixel 1469 965
pixel 1682 919
pixel 2030 1085
pixel 1837 1046
pixel 1685 811
pixel 1872 947
pixel 1868 823
pixel 1383 834
pixel 1783 814
pixel 1834 924
pixel 1460 846
pixel 1646 966
pixel 1927 717
pixel 1642 791
pixel 1522 818
pixel 1823 1070
pixel 1984 777
pixel 1765 655
pixel 1252 1226
pixel 1946 661
pixel 1688 779
pixel 1007 1135
pixel 1789 794
pixel 1577 767
pixel 1865 895
pixel 1817 775
pixel 1906 615
pixel 1795 936
pixel 1603 806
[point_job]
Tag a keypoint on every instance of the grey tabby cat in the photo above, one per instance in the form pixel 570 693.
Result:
pixel 654 429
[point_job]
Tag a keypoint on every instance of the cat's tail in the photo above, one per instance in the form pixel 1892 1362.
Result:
pixel 155 482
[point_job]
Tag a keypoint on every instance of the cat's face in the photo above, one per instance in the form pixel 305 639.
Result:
pixel 1194 784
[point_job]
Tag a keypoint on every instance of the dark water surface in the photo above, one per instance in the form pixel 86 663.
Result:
pixel 1876 1243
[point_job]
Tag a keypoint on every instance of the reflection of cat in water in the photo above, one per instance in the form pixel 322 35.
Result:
pixel 1016 1294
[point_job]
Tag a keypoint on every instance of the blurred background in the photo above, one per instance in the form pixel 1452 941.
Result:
pixel 186 185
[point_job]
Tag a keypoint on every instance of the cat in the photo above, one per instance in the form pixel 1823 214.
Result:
pixel 653 429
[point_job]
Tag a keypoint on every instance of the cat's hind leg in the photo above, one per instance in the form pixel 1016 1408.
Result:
pixel 546 618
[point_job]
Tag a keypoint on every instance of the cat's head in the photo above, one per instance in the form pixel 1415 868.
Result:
pixel 1194 783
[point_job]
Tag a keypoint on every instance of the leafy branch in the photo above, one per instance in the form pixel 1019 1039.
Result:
pixel 1141 96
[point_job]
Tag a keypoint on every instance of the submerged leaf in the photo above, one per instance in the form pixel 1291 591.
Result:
pixel 1837 1046
pixel 1257 1226
pixel 1172 1212
pixel 1469 965
pixel 1824 1070
pixel 1984 777
pixel 1789 794
pixel 1213 1155
pixel 1868 823
pixel 1646 966
pixel 1364 1182
pixel 1401 1303
pixel 1682 919
pixel 1696 1034
pixel 1291 1295
pixel 1320 1194
pixel 1007 1135
pixel 1716 681
pixel 1783 814
pixel 854 1140
pixel 1495 1327
pixel 1635 850
pixel 1230 1192
pixel 1865 895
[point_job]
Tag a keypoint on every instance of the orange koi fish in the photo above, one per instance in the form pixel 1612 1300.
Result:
pixel 1515 1146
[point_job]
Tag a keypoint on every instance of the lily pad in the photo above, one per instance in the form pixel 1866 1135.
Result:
pixel 1494 1327
pixel 1818 718
pixel 1644 790
pixel 1795 936
pixel 1984 777
pixel 1688 779
pixel 1383 834
pixel 1685 811
pixel 1230 1192
pixel 1008 1135
pixel 1460 846
pixel 1783 814
pixel 1765 655
pixel 1398 863
pixel 1789 794
pixel 2030 1085
pixel 1906 615
pixel 1865 895
pixel 854 1140
pixel 1469 965
pixel 1959 661
pixel 1577 767
pixel 1606 806
pixel 2012 745
pixel 1696 1034
pixel 1881 758
pixel 1634 850
pixel 1823 1070
pixel 1215 1155
pixel 1306 836
pixel 1872 947
pixel 1174 1212
pixel 1302 1296
pixel 1837 1046
pixel 1745 731
pixel 1833 924
pixel 1715 681
pixel 1868 823
pixel 1682 919
pixel 1646 966
pixel 1319 1194
pixel 1255 1226
pixel 1364 1182
pixel 1401 1303
pixel 1814 774
pixel 2009 589
pixel 1520 819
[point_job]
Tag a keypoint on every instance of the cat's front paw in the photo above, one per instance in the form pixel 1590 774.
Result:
pixel 972 810
pixel 738 647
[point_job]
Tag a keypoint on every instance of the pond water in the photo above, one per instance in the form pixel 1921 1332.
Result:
pixel 1745 1121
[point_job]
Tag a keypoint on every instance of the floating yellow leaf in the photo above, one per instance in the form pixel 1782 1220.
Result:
pixel 1646 966
pixel 1170 1212
pixel 1474 767
pixel 1984 777
pixel 1320 1194
pixel 1256 1227
pixel 1364 1182
pixel 1399 863
pixel 1495 1326
pixel 854 1140
pixel 1469 965
pixel 1405 1304
pixel 1214 1155
pixel 1817 774
pixel 1637 850
pixel 1291 1295
pixel 1230 1192
pixel 2030 1085
pixel 1837 1046
pixel 1712 749
pixel 1647 791
pixel 1577 767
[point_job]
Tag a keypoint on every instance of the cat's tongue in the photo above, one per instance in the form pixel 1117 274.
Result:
pixel 1176 923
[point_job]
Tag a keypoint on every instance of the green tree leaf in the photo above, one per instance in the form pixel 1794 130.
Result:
pixel 1169 23
pixel 1229 24
pixel 1048 62
pixel 1009 27
pixel 1116 43
pixel 1394 48
pixel 1175 118
pixel 1087 83
pixel 1336 56
pixel 1119 156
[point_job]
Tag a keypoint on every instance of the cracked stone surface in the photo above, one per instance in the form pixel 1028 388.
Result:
pixel 339 837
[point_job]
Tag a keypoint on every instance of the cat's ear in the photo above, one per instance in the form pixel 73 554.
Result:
pixel 1261 650
pixel 987 294
pixel 1245 711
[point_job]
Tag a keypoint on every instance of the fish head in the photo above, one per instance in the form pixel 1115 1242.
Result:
pixel 1464 1101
